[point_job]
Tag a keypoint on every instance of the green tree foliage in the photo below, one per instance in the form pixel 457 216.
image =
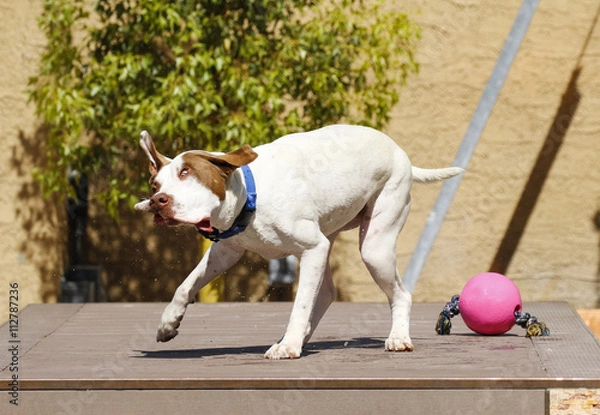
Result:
pixel 210 74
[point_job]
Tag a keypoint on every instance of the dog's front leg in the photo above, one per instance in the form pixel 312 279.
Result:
pixel 312 268
pixel 216 260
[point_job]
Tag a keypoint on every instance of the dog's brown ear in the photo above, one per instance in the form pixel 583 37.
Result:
pixel 157 160
pixel 230 161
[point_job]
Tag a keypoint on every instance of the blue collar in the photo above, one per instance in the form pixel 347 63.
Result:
pixel 243 219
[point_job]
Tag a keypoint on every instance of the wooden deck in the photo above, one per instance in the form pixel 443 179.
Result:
pixel 103 358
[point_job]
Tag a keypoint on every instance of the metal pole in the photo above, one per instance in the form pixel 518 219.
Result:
pixel 470 140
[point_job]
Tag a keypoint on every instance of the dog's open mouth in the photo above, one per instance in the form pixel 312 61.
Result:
pixel 204 225
pixel 161 220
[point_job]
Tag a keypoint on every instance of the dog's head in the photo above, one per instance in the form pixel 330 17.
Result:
pixel 189 187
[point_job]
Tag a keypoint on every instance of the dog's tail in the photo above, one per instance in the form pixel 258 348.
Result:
pixel 432 175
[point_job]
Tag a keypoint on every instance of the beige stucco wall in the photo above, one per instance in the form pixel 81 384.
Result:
pixel 557 257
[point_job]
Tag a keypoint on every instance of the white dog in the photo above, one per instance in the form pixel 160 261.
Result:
pixel 292 197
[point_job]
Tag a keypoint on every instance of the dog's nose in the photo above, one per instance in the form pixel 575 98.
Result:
pixel 160 200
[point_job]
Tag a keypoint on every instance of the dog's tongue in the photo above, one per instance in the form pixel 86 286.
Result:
pixel 204 225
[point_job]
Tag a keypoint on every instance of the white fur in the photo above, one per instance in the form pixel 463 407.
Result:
pixel 310 187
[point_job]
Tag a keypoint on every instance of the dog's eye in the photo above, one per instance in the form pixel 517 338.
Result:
pixel 184 172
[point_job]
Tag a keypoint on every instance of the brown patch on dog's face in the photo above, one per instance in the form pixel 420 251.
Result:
pixel 196 164
pixel 213 170
pixel 154 185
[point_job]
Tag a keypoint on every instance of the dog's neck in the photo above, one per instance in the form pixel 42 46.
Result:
pixel 222 218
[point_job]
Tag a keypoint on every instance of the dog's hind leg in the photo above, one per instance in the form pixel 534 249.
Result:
pixel 378 234
pixel 217 259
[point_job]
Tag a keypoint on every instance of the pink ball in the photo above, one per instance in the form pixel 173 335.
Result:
pixel 488 303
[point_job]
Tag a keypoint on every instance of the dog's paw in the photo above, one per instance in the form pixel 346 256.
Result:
pixel 394 344
pixel 283 351
pixel 166 332
pixel 169 322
